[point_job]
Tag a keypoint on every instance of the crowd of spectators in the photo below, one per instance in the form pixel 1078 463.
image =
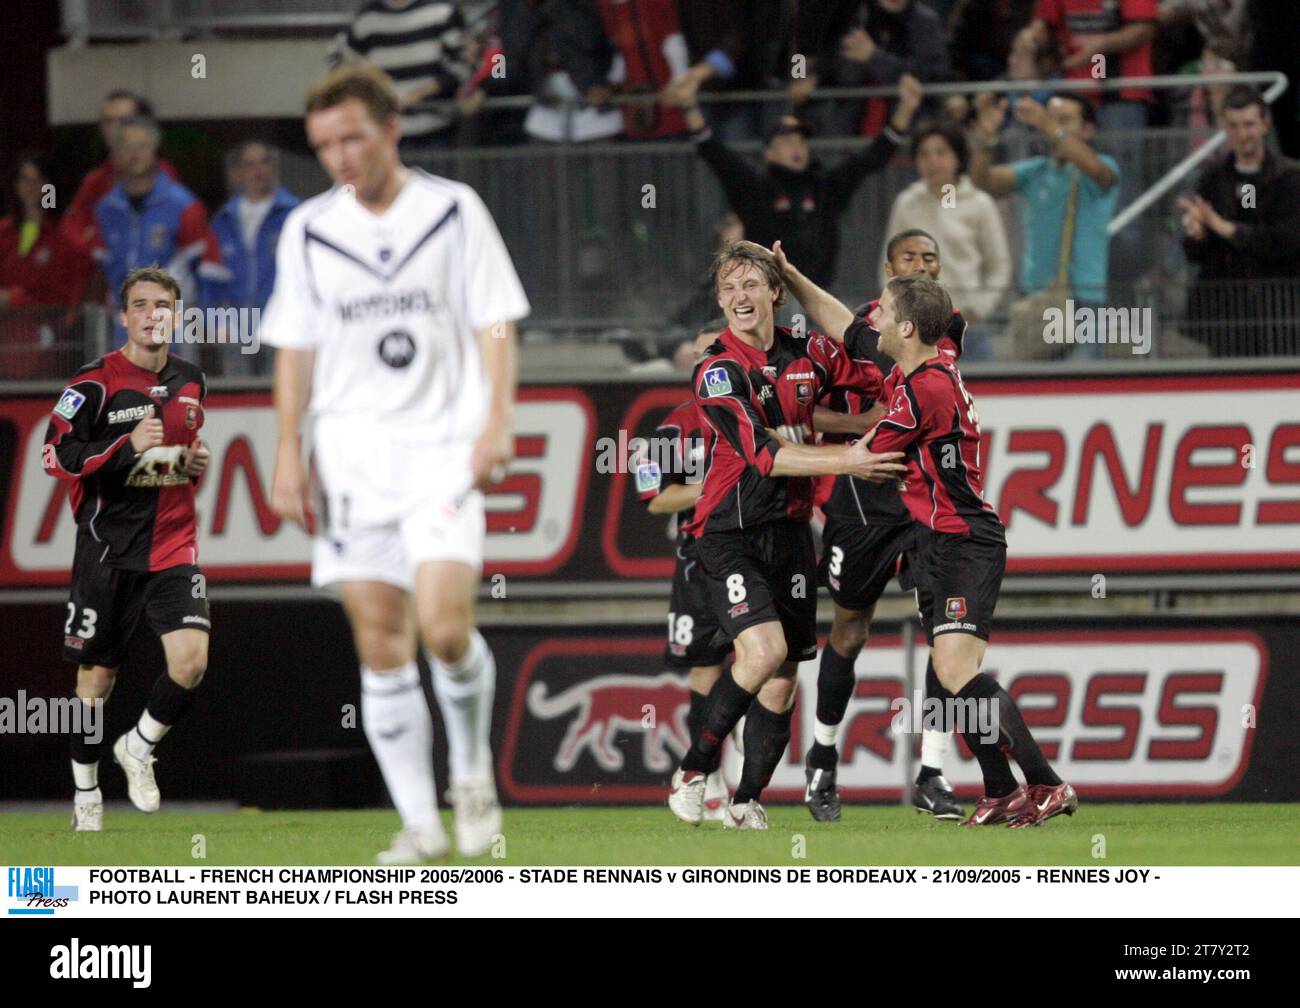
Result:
pixel 653 69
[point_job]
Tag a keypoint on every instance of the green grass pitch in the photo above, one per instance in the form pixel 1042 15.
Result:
pixel 1200 834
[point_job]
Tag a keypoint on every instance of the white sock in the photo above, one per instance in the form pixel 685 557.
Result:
pixel 826 734
pixel 148 733
pixel 399 727
pixel 464 691
pixel 934 746
pixel 85 776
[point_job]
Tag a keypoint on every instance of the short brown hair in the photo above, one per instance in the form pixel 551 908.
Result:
pixel 368 84
pixel 1243 96
pixel 748 252
pixel 924 303
pixel 149 274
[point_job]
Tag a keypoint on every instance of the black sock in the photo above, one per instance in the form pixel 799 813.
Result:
pixel 168 701
pixel 727 705
pixel 998 778
pixel 82 749
pixel 823 757
pixel 927 772
pixel 695 716
pixel 1017 740
pixel 766 736
pixel 835 682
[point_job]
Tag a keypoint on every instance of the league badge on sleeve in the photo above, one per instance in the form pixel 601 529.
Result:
pixel 69 403
pixel 648 476
pixel 717 382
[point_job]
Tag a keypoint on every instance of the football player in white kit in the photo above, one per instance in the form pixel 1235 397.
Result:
pixel 394 317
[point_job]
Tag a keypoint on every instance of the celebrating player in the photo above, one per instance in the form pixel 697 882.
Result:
pixel 867 532
pixel 126 433
pixel 755 547
pixel 959 553
pixel 394 310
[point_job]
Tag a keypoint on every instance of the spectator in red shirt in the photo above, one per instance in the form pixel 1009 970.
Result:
pixel 1121 32
pixel 79 219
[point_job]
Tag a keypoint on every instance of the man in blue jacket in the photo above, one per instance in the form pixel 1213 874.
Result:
pixel 248 228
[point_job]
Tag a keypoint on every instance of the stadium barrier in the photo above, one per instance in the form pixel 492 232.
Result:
pixel 1126 708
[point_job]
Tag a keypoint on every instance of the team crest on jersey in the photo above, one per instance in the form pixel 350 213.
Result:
pixel 803 392
pixel 955 608
pixel 191 417
pixel 69 403
pixel 647 477
pixel 397 348
pixel 158 392
pixel 717 382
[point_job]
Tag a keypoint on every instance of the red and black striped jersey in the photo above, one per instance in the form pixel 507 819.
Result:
pixel 740 391
pixel 676 455
pixel 931 418
pixel 138 509
pixel 858 500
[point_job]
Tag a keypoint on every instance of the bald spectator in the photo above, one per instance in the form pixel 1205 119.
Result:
pixel 78 221
pixel 149 218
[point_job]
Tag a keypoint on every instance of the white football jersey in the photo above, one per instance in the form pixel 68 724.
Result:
pixel 391 304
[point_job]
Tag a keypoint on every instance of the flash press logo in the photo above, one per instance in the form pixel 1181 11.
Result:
pixel 31 892
pixel 75 961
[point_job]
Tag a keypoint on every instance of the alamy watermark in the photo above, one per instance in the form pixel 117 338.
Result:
pixel 37 715
pixel 221 326
pixel 971 716
pixel 1091 324
pixel 651 457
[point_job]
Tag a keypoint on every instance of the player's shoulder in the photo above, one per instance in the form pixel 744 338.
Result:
pixel 313 208
pixel 187 369
pixel 91 369
pixel 435 189
pixel 936 378
pixel 719 372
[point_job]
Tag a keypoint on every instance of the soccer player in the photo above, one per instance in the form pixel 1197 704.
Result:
pixel 959 554
pixel 755 547
pixel 394 310
pixel 868 530
pixel 125 432
pixel 694 642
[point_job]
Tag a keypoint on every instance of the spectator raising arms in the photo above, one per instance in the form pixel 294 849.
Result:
pixel 38 264
pixel 1243 225
pixel 148 219
pixel 792 198
pixel 965 221
pixel 79 219
pixel 420 44
pixel 651 52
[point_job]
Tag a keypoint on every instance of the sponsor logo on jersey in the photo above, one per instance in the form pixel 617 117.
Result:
pixel 200 620
pixel 415 301
pixel 739 609
pixel 765 393
pixel 799 375
pixel 955 608
pixel 397 348
pixel 769 371
pixel 69 403
pixel 157 467
pixel 717 382
pixel 129 414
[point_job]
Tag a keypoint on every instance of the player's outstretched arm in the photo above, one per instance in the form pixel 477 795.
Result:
pixel 293 368
pixel 675 498
pixel 829 314
pixel 837 460
pixel 495 450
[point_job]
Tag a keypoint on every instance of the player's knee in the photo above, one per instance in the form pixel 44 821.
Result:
pixel 849 634
pixel 952 672
pixel 188 669
pixel 447 639
pixel 95 681
pixel 764 653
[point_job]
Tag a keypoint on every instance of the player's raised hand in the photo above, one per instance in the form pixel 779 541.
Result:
pixel 289 485
pixel 148 433
pixel 877 467
pixel 990 113
pixel 195 459
pixel 493 454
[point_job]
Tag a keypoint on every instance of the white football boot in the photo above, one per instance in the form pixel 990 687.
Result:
pixel 140 783
pixel 415 846
pixel 88 812
pixel 686 799
pixel 747 815
pixel 478 815
pixel 716 797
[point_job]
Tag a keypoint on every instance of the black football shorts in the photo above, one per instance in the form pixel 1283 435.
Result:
pixel 763 574
pixel 694 637
pixel 859 560
pixel 105 605
pixel 957 581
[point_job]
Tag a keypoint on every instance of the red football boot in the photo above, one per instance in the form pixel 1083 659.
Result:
pixel 991 811
pixel 1044 802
